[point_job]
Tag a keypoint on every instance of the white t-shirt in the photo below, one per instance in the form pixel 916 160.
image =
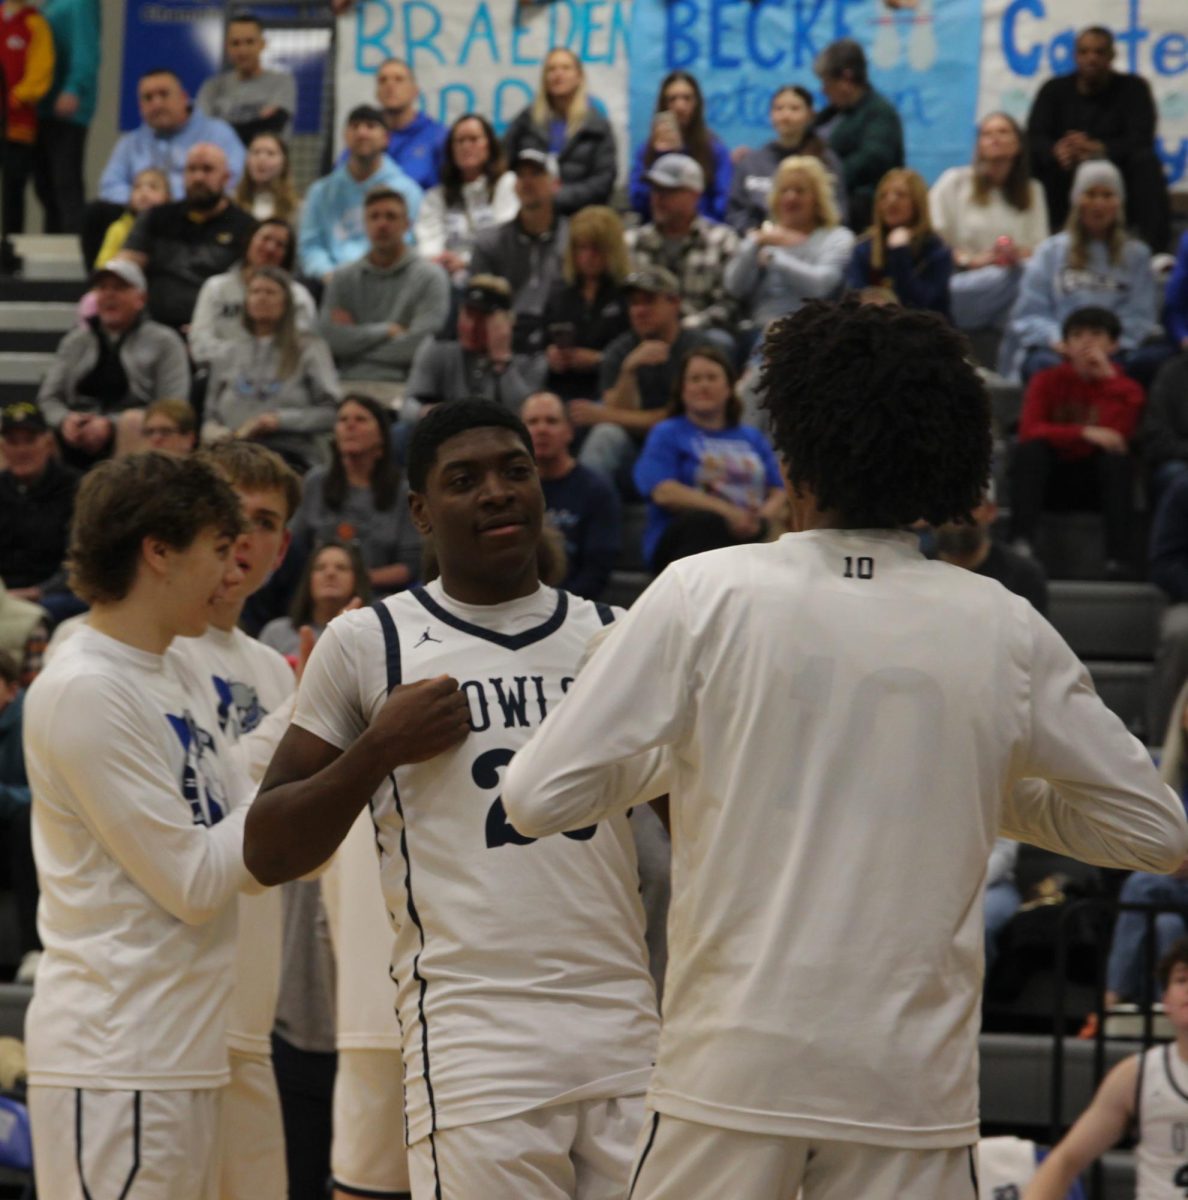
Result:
pixel 138 836
pixel 1162 1152
pixel 252 688
pixel 520 969
pixel 846 722
pixel 974 228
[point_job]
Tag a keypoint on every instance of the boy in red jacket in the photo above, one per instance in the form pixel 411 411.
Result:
pixel 27 61
pixel 1074 437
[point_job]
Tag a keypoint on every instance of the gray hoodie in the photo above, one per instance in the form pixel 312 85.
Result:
pixel 413 294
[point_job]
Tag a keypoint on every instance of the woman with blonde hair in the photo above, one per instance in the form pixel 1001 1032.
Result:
pixel 278 386
pixel 1092 263
pixel 801 252
pixel 993 215
pixel 587 310
pixel 561 122
pixel 901 251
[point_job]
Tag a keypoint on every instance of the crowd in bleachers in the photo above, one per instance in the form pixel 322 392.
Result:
pixel 621 317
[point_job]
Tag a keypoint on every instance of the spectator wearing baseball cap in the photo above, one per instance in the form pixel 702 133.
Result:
pixel 479 363
pixel 37 499
pixel 638 369
pixel 529 249
pixel 108 370
pixel 561 123
pixel 694 248
pixel 332 232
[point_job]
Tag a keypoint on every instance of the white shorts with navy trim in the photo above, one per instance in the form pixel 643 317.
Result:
pixel 145 1145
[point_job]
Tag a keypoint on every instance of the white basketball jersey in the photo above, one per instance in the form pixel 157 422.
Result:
pixel 1162 1152
pixel 520 966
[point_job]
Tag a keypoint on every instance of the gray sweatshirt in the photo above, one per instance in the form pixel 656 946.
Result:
pixel 414 294
pixel 245 382
pixel 154 360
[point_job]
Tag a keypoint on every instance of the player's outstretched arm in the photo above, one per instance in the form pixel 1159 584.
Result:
pixel 1103 802
pixel 1098 1128
pixel 314 790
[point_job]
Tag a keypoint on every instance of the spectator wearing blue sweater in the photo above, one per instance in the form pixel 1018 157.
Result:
pixel 1176 313
pixel 1091 264
pixel 332 232
pixel 710 481
pixel 580 503
pixel 679 127
pixel 416 142
pixel 900 251
pixel 165 136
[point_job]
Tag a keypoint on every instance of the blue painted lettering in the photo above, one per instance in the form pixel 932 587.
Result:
pixel 720 31
pixel 1022 62
pixel 520 31
pixel 556 10
pixel 1170 54
pixel 448 110
pixel 424 41
pixel 591 28
pixel 804 48
pixel 680 48
pixel 376 39
pixel 481 29
pixel 768 61
pixel 510 97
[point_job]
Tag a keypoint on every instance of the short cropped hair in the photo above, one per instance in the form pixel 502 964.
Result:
pixel 843 57
pixel 252 467
pixel 449 419
pixel 879 411
pixel 1092 318
pixel 177 411
pixel 1098 31
pixel 379 194
pixel 1177 953
pixel 125 500
pixel 242 17
pixel 160 71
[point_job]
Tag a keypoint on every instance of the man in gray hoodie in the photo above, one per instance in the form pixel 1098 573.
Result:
pixel 377 311
pixel 106 372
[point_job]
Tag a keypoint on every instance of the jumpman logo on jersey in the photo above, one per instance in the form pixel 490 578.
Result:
pixel 427 637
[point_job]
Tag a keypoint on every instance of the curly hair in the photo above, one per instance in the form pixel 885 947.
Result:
pixel 879 412
pixel 444 421
pixel 603 227
pixel 125 500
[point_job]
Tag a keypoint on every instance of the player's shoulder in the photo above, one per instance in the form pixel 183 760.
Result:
pixel 592 613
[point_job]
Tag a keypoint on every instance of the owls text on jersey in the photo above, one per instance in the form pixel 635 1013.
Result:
pixel 519 965
pixel 1162 1119
pixel 138 832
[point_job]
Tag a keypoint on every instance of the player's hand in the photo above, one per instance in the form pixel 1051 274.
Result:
pixel 72 426
pixel 743 522
pixel 422 720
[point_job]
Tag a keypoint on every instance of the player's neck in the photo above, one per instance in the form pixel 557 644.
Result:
pixel 466 589
pixel 136 621
pixel 805 515
pixel 225 617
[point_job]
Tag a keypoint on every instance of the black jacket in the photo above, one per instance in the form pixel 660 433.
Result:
pixel 35 526
pixel 1165 423
pixel 587 160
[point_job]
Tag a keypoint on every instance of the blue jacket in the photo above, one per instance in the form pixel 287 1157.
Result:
pixel 14 784
pixel 331 233
pixel 418 150
pixel 1176 316
pixel 713 199
pixel 144 148
pixel 75 26
pixel 1051 290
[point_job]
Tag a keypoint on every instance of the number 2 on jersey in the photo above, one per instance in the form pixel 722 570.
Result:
pixel 485 774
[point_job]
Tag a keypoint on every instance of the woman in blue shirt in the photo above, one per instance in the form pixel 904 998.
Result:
pixel 710 481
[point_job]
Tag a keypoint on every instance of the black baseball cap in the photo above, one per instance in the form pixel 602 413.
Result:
pixel 22 414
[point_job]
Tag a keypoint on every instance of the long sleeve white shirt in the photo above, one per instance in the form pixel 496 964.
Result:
pixel 847 724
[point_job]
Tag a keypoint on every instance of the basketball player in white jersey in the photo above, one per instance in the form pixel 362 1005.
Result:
pixel 252 687
pixel 847 722
pixel 138 816
pixel 1146 1092
pixel 522 988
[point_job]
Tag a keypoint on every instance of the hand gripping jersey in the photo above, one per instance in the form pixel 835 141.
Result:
pixel 1162 1118
pixel 520 969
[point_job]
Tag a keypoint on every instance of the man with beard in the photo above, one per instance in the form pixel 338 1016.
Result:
pixel 181 245
pixel 969 545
